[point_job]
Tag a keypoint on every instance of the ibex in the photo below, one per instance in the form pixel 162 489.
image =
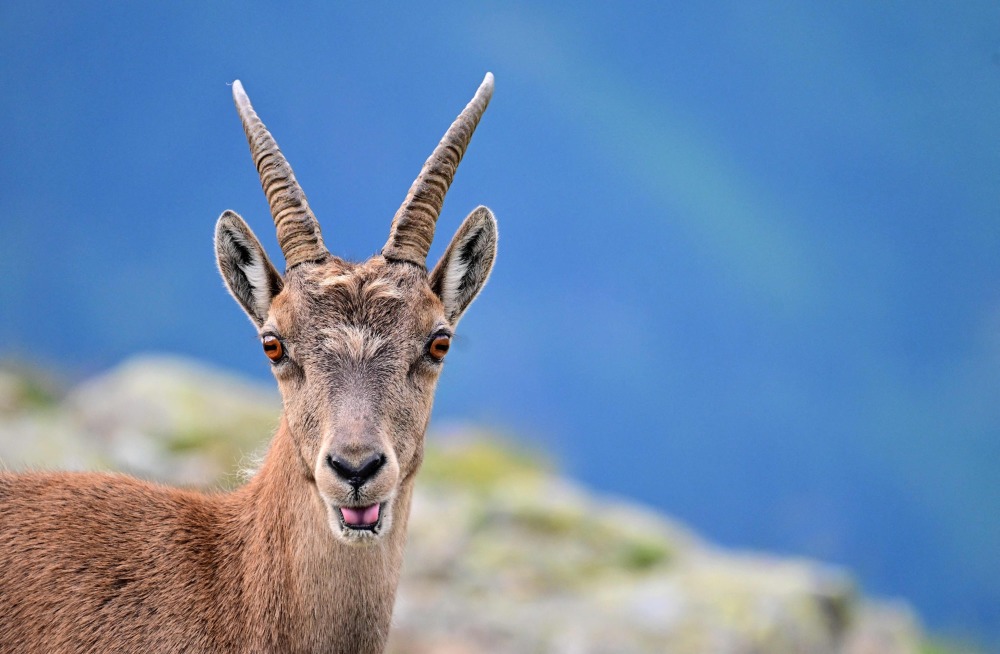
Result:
pixel 306 556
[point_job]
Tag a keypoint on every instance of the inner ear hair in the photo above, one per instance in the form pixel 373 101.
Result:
pixel 248 273
pixel 466 264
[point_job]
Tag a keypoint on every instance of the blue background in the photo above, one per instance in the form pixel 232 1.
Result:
pixel 750 252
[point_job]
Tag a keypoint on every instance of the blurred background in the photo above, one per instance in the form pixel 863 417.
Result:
pixel 748 269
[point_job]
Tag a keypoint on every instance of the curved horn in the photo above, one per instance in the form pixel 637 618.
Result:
pixel 413 225
pixel 298 231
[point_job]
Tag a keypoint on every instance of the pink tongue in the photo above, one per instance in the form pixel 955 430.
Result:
pixel 367 515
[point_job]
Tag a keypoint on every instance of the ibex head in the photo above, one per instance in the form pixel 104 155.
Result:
pixel 357 347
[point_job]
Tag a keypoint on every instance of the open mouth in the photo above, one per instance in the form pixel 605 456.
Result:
pixel 365 518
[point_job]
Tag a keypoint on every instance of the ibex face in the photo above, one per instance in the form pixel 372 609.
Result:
pixel 357 348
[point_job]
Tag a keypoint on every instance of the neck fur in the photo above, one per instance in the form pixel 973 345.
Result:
pixel 303 588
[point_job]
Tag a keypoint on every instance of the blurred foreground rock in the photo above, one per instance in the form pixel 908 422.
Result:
pixel 503 555
pixel 159 418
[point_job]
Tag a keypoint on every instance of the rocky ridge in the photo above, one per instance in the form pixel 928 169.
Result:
pixel 504 555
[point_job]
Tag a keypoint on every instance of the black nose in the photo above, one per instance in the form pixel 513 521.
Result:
pixel 356 475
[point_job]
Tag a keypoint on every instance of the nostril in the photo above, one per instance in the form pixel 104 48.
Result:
pixel 371 466
pixel 338 466
pixel 356 475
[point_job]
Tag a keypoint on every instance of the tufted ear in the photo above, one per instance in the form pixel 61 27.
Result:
pixel 466 264
pixel 249 275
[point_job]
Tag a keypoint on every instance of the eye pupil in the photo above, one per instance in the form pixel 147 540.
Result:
pixel 273 348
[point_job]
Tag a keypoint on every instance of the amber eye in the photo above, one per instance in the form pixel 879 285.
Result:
pixel 273 348
pixel 439 346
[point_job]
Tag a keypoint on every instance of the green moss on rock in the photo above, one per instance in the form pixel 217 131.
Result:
pixel 478 465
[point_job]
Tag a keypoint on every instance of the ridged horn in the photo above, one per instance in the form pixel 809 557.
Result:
pixel 298 230
pixel 413 225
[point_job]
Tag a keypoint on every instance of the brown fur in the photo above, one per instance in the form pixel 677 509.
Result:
pixel 107 563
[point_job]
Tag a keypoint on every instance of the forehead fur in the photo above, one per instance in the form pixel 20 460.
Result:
pixel 376 295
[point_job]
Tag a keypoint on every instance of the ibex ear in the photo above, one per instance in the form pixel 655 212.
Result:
pixel 248 273
pixel 462 271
